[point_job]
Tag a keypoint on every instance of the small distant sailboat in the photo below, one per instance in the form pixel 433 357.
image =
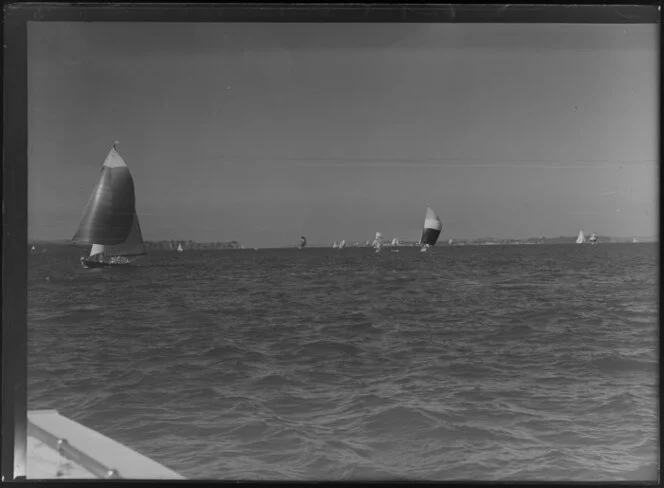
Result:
pixel 581 239
pixel 335 245
pixel 593 239
pixel 33 249
pixel 179 249
pixel 110 223
pixel 303 242
pixel 432 228
pixel 395 244
pixel 342 244
pixel 378 242
pixel 450 242
pixel 634 240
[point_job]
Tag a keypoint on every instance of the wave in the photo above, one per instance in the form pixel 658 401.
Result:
pixel 326 349
pixel 617 364
pixel 275 380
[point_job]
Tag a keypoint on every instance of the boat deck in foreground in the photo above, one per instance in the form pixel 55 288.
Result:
pixel 59 448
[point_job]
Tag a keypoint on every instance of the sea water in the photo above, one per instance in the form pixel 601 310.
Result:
pixel 475 362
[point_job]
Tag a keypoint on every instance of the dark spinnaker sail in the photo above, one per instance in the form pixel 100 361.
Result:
pixel 109 214
pixel 110 222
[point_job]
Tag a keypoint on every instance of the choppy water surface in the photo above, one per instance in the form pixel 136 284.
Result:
pixel 491 362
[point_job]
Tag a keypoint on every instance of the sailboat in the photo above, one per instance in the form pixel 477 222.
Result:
pixel 335 245
pixel 33 249
pixel 110 223
pixel 581 239
pixel 634 240
pixel 432 228
pixel 303 242
pixel 378 241
pixel 593 238
pixel 342 244
pixel 395 244
pixel 179 249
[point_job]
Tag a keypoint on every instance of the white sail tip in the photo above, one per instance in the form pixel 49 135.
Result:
pixel 114 160
pixel 430 214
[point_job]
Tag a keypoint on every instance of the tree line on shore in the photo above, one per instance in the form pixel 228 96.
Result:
pixel 190 245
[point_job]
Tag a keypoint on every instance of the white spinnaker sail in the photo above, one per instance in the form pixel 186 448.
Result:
pixel 581 238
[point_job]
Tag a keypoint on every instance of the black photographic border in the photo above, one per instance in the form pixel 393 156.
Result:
pixel 15 126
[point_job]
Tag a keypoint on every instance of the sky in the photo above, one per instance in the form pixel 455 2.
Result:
pixel 261 133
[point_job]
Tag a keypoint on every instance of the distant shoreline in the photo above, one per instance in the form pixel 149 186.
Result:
pixel 168 245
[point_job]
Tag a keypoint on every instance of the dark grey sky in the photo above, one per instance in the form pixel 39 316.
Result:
pixel 263 132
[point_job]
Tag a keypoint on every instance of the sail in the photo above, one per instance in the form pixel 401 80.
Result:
pixel 395 242
pixel 378 241
pixel 97 249
pixel 581 239
pixel 110 214
pixel 179 249
pixel 342 244
pixel 132 246
pixel 303 242
pixel 432 228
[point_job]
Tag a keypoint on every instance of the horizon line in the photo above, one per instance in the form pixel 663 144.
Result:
pixel 571 236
